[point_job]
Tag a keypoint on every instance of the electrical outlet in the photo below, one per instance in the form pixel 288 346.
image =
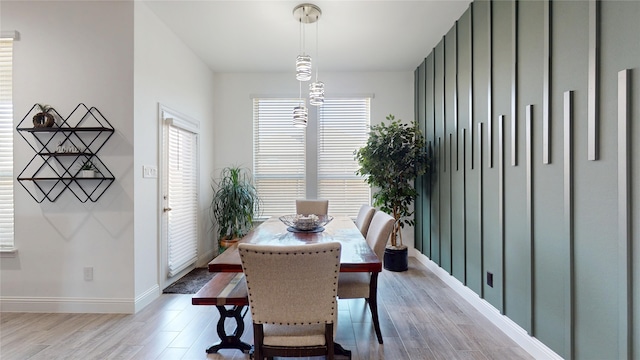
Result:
pixel 149 172
pixel 490 279
pixel 88 274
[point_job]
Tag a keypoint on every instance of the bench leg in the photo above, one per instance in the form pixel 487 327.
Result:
pixel 230 341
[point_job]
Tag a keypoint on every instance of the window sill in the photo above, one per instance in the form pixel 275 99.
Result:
pixel 8 252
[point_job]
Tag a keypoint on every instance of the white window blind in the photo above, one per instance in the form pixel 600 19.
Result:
pixel 6 145
pixel 182 235
pixel 343 127
pixel 278 156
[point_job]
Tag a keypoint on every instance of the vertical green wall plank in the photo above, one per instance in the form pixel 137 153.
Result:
pixel 514 83
pixel 593 219
pixel 593 105
pixel 530 98
pixel 528 129
pixel 419 111
pixel 546 81
pixel 456 244
pixel 444 235
pixel 619 49
pixel 499 28
pixel 549 253
pixel 438 131
pixel 517 238
pixel 481 100
pixel 430 137
pixel 624 238
pixel 569 280
pixel 472 275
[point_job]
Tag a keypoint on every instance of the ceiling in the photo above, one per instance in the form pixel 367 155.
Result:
pixel 264 36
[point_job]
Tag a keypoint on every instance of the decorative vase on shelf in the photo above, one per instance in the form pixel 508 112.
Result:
pixel 43 118
pixel 87 173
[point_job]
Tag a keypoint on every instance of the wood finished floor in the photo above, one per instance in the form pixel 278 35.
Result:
pixel 420 317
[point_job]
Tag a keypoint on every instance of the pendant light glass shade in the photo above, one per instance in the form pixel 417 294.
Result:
pixel 303 68
pixel 316 93
pixel 300 115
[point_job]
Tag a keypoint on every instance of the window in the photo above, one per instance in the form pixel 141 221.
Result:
pixel 6 144
pixel 278 156
pixel 343 126
pixel 317 162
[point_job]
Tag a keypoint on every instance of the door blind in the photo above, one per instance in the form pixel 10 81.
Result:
pixel 278 156
pixel 182 199
pixel 6 145
pixel 343 127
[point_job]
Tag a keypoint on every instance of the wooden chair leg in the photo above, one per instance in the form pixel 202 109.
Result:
pixel 258 336
pixel 328 338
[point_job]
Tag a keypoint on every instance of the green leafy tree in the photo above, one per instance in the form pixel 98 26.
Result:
pixel 235 203
pixel 392 159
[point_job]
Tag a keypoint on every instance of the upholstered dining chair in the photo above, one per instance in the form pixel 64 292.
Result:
pixel 354 285
pixel 363 220
pixel 308 207
pixel 292 297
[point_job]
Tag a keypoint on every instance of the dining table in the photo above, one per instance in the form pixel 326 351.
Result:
pixel 355 256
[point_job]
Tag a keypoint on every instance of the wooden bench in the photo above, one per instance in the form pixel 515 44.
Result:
pixel 226 289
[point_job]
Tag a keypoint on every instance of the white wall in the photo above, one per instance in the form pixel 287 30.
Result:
pixel 166 72
pixel 392 94
pixel 73 54
pixel 116 56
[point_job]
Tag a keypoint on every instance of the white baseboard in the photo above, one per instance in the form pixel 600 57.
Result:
pixel 147 297
pixel 204 259
pixel 79 305
pixel 66 305
pixel 529 343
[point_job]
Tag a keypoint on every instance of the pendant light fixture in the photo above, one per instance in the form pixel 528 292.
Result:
pixel 300 112
pixel 306 14
pixel 303 61
pixel 316 88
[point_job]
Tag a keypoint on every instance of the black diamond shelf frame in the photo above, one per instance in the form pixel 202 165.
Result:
pixel 61 151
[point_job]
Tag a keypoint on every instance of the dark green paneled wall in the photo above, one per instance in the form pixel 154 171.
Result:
pixel 520 191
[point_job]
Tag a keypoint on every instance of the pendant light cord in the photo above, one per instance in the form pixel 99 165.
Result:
pixel 317 52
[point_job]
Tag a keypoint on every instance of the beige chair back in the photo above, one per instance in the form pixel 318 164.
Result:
pixel 292 284
pixel 308 207
pixel 364 218
pixel 379 231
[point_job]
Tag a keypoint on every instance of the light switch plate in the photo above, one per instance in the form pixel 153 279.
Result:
pixel 149 172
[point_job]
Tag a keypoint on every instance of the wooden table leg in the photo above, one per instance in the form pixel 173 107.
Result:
pixel 373 304
pixel 230 341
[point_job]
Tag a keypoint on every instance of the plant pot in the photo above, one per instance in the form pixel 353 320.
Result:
pixel 87 173
pixel 43 119
pixel 396 259
pixel 225 243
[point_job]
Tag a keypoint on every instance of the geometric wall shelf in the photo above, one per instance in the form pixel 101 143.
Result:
pixel 61 150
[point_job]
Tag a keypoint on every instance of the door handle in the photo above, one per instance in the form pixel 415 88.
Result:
pixel 167 209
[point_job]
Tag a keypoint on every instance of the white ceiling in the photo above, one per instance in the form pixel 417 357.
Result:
pixel 263 36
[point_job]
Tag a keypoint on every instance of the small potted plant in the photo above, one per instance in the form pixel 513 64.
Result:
pixel 235 204
pixel 392 159
pixel 43 118
pixel 88 169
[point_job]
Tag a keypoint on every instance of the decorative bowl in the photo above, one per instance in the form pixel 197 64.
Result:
pixel 306 222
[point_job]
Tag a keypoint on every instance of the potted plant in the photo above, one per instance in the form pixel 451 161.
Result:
pixel 235 204
pixel 392 159
pixel 43 118
pixel 88 169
